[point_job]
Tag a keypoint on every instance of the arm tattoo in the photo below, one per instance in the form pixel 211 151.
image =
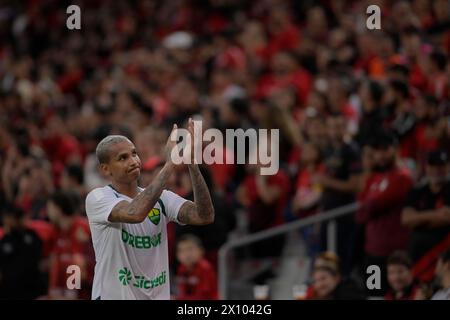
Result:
pixel 137 210
pixel 201 211
pixel 188 213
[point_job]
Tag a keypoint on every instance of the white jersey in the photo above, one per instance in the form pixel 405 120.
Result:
pixel 131 259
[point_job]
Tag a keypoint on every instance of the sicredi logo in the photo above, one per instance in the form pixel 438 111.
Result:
pixel 141 282
pixel 125 276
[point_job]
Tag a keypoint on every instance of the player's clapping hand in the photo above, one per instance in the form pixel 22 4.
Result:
pixel 182 152
pixel 171 145
pixel 191 144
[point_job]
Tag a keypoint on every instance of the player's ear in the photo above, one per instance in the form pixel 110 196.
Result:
pixel 104 168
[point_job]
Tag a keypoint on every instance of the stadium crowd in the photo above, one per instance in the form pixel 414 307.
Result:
pixel 363 115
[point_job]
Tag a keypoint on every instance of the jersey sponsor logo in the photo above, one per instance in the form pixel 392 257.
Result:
pixel 141 282
pixel 141 242
pixel 155 216
pixel 125 276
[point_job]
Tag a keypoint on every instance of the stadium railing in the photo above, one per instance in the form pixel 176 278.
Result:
pixel 328 217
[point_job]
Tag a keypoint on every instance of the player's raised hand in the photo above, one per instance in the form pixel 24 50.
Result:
pixel 184 150
pixel 191 144
pixel 171 145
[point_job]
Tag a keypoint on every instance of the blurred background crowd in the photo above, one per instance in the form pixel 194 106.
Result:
pixel 363 116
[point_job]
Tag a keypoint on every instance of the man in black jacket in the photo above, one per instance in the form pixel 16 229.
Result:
pixel 20 256
pixel 427 208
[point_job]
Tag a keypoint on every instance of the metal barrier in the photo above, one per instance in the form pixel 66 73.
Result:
pixel 330 216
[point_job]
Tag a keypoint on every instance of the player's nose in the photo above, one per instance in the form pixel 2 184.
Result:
pixel 134 162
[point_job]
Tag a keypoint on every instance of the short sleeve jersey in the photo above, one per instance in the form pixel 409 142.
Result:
pixel 131 259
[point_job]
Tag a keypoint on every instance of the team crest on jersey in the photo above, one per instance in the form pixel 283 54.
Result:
pixel 154 216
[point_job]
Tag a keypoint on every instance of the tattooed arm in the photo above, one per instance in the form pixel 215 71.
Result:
pixel 137 210
pixel 201 211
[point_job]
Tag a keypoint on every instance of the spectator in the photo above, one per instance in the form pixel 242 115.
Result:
pixel 196 278
pixel 381 203
pixel 264 198
pixel 400 277
pixel 339 99
pixel 309 190
pixel 21 168
pixel 284 34
pixel 329 284
pixel 315 130
pixel 400 118
pixel 438 87
pixel 72 246
pixel 277 118
pixel 427 212
pixel 341 162
pixel 286 72
pixel 20 258
pixel 414 53
pixel 443 277
pixel 61 147
pixel 309 193
pixel 322 259
pixel 73 179
pixel 431 133
pixel 371 95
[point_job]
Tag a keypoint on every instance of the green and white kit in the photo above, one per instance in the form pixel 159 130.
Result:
pixel 131 259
